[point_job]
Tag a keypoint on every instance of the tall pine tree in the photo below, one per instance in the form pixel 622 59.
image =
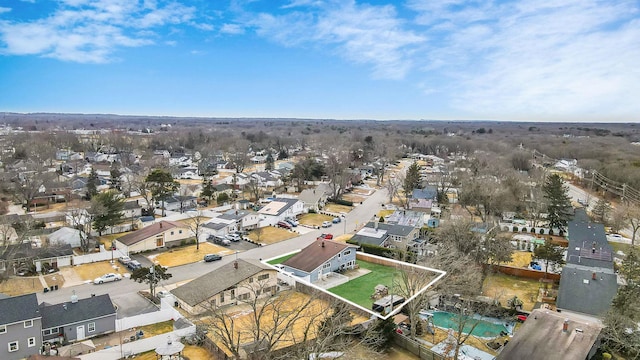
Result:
pixel 559 209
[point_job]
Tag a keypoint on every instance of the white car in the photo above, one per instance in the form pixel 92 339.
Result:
pixel 326 224
pixel 107 278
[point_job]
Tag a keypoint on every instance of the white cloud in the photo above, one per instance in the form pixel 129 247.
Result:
pixel 4 9
pixel 536 59
pixel 90 30
pixel 361 33
pixel 234 29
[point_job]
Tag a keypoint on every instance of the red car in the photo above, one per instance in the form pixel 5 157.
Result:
pixel 284 225
pixel 325 237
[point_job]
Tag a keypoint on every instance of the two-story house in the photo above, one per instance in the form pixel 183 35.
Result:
pixel 280 209
pixel 241 280
pixel 321 257
pixel 245 219
pixel 78 319
pixel 20 326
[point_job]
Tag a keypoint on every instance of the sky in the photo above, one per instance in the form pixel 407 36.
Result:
pixel 551 60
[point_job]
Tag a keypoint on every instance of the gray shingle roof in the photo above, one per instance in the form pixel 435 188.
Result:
pixel 148 231
pixel 69 313
pixel 18 308
pixel 393 229
pixel 212 283
pixel 579 292
pixel 541 338
pixel 588 243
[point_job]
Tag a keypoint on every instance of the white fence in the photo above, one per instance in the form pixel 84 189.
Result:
pixel 139 346
pixel 95 257
pixel 166 312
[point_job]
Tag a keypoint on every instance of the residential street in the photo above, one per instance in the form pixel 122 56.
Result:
pixel 356 218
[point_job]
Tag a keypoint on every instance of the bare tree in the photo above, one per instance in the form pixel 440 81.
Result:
pixel 80 219
pixel 633 218
pixel 194 223
pixel 394 184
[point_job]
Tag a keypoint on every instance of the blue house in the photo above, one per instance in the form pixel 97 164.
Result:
pixel 321 257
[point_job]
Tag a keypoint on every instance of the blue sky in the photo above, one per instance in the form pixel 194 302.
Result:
pixel 572 60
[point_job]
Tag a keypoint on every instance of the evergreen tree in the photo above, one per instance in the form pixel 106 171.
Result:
pixel 411 181
pixel 207 189
pixel 115 179
pixel 92 184
pixel 146 275
pixel 559 209
pixel 162 185
pixel 549 253
pixel 269 165
pixel 107 210
pixel 601 211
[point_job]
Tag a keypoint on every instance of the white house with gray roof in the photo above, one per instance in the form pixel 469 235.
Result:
pixel 244 219
pixel 280 209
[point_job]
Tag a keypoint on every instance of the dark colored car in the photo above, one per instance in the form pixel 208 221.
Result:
pixel 284 224
pixel 212 257
pixel 134 265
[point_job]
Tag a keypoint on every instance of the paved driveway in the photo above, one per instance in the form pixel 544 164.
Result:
pixel 130 304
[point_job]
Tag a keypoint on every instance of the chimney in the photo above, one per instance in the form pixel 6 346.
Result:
pixel 74 297
pixel 594 276
pixel 565 325
pixel 160 224
pixel 235 265
pixel 64 306
pixel 322 242
pixel 375 222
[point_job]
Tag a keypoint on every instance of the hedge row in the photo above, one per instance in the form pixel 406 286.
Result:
pixel 341 202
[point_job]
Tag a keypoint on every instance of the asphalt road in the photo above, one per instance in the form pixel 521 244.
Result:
pixel 121 289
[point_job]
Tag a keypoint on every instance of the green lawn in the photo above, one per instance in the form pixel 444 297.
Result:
pixel 281 259
pixel 621 246
pixel 359 290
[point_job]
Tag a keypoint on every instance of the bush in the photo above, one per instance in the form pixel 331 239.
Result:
pixel 341 202
pixel 312 211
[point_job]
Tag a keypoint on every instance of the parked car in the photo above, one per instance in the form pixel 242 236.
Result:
pixel 124 260
pixel 234 237
pixel 336 220
pixel 134 265
pixel 163 293
pixel 219 240
pixel 107 278
pixel 326 224
pixel 212 257
pixel 325 236
pixel 292 221
pixel 284 224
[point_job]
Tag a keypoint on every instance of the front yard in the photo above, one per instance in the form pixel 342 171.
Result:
pixel 91 271
pixel 189 254
pixel 270 235
pixel 312 219
pixel 338 209
pixel 25 285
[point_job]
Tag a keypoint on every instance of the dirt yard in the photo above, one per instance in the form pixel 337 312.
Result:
pixel 270 235
pixel 503 287
pixel 354 198
pixel 189 254
pixel 94 270
pixel 314 219
pixel 338 209
pixel 383 213
pixel 520 259
pixel 191 352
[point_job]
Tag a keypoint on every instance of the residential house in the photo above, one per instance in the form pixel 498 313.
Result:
pixel 244 219
pixel 20 326
pixel 178 203
pixel 370 236
pixel 267 179
pixel 241 280
pixel 588 282
pixel 65 235
pixel 315 199
pixel 161 234
pixel 20 257
pixel 428 193
pixel 399 230
pixel 78 319
pixel 218 226
pixel 280 209
pixel 320 258
pixel 131 209
pixel 552 335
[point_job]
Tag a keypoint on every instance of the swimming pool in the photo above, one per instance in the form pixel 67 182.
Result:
pixel 484 328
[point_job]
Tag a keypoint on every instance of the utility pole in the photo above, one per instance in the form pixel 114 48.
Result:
pixel 151 280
